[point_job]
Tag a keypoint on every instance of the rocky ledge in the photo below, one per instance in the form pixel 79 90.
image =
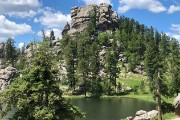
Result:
pixel 6 75
pixel 106 18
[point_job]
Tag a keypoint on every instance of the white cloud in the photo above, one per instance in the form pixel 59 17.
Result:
pixel 21 44
pixel 25 14
pixel 11 29
pixel 52 19
pixel 177 37
pixel 175 31
pixel 152 5
pixel 19 8
pixel 174 35
pixel 87 2
pixel 57 32
pixel 175 28
pixel 173 9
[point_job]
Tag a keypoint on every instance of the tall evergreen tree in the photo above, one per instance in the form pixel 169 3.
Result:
pixel 21 58
pixel 43 35
pixel 111 67
pixel 36 95
pixel 70 58
pixel 83 60
pixel 51 38
pixel 175 65
pixel 94 67
pixel 10 51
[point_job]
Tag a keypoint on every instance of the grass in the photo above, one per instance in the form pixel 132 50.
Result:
pixel 146 97
pixel 131 80
pixel 169 116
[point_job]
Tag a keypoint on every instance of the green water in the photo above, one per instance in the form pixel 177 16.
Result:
pixel 107 108
pixel 111 108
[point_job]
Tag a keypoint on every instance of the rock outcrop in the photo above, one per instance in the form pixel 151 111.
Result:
pixel 176 104
pixel 106 18
pixel 56 46
pixel 29 50
pixel 6 75
pixel 1 50
pixel 66 29
pixel 143 115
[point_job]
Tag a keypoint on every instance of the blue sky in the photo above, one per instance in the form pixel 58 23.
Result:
pixel 23 20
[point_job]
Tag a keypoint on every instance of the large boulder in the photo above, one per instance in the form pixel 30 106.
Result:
pixel 107 19
pixel 143 115
pixel 176 104
pixel 6 75
pixel 152 113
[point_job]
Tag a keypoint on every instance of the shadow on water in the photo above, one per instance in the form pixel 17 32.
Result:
pixel 111 108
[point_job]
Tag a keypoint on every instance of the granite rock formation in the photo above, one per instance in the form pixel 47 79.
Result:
pixel 1 50
pixel 66 29
pixel 143 115
pixel 56 46
pixel 106 18
pixel 6 75
pixel 176 104
pixel 29 50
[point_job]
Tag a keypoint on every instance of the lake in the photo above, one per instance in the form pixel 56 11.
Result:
pixel 107 108
pixel 111 108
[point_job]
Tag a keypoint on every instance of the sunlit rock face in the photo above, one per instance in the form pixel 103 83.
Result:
pixel 106 18
pixel 176 104
pixel 1 50
pixel 6 75
pixel 66 29
pixel 6 72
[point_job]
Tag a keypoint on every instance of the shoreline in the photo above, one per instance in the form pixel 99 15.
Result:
pixel 148 98
pixel 143 97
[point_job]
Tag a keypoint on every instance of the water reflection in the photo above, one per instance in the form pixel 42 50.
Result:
pixel 111 108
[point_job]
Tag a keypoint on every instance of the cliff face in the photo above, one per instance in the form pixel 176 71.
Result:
pixel 107 19
pixel 6 75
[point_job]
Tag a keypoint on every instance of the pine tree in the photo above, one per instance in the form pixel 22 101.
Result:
pixel 153 69
pixel 151 60
pixel 51 38
pixel 94 67
pixel 111 67
pixel 70 58
pixel 21 59
pixel 65 41
pixel 83 60
pixel 36 95
pixel 43 35
pixel 175 65
pixel 10 51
